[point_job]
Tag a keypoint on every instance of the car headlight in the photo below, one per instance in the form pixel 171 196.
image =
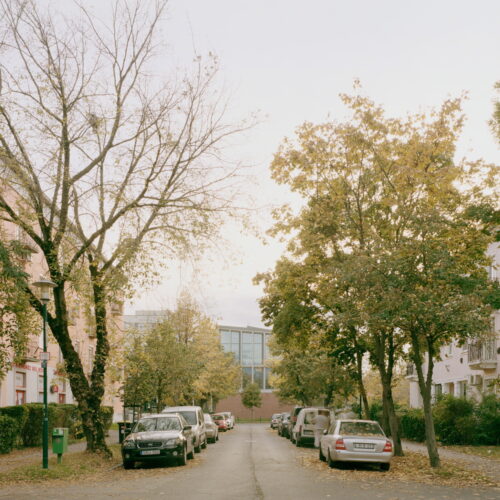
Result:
pixel 170 443
pixel 129 444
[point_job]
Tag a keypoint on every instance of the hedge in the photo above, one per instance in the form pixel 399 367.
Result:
pixel 8 433
pixel 456 421
pixel 412 424
pixel 28 419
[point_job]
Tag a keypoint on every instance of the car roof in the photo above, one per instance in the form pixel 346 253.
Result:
pixel 156 415
pixel 170 409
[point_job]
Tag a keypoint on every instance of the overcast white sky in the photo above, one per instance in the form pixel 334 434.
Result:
pixel 290 60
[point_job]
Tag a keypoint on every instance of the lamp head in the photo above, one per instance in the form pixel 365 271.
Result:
pixel 45 286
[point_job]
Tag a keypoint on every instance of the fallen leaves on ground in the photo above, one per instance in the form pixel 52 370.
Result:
pixel 413 467
pixel 84 466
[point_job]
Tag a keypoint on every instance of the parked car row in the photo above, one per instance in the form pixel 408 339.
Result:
pixel 175 434
pixel 345 440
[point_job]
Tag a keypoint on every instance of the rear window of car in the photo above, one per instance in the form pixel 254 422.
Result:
pixel 309 416
pixel 360 429
pixel 218 417
pixel 158 424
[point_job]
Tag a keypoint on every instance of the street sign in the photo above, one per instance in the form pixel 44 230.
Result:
pixel 45 356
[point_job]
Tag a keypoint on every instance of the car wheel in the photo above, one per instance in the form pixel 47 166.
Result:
pixel 321 456
pixel 197 449
pixel 204 444
pixel 128 464
pixel 217 437
pixel 297 442
pixel 182 459
pixel 190 455
pixel 385 466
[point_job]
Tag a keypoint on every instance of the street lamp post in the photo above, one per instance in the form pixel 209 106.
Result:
pixel 45 287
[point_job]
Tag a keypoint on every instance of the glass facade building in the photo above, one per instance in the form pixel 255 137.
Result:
pixel 249 346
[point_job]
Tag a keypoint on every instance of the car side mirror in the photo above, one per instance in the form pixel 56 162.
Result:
pixel 325 431
pixel 187 427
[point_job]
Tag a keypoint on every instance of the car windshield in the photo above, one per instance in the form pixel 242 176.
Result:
pixel 360 429
pixel 158 424
pixel 190 416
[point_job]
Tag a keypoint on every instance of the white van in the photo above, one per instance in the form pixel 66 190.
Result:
pixel 194 417
pixel 303 430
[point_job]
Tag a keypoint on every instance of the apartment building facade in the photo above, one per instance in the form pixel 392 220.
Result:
pixel 472 369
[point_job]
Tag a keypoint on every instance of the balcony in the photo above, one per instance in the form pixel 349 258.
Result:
pixel 32 352
pixel 482 354
pixel 411 372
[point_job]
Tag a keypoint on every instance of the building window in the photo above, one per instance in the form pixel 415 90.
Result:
pixel 258 377
pixel 463 389
pixel 62 398
pixel 247 349
pixel 230 342
pixel 20 380
pixel 20 397
pixel 257 348
pixel 247 376
pixel 40 388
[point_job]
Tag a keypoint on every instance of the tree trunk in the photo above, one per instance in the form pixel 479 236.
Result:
pixel 392 419
pixel 361 385
pixel 88 399
pixel 424 385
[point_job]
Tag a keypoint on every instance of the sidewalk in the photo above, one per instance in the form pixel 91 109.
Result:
pixel 487 466
pixel 31 455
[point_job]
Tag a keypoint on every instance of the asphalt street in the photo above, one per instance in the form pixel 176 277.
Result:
pixel 249 462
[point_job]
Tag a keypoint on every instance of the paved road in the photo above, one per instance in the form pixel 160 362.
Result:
pixel 250 462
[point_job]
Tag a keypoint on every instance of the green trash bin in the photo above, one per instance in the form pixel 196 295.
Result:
pixel 59 442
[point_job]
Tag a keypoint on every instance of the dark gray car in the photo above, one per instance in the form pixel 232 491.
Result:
pixel 158 437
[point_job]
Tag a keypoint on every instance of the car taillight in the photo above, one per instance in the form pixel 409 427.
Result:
pixel 388 446
pixel 339 444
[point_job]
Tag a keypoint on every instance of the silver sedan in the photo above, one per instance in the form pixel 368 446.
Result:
pixel 356 441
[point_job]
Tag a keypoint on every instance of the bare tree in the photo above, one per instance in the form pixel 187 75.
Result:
pixel 113 164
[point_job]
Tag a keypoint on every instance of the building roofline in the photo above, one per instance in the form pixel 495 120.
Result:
pixel 244 328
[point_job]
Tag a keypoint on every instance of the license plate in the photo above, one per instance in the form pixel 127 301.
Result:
pixel 150 452
pixel 364 446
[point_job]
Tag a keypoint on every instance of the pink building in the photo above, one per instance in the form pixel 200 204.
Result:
pixel 23 383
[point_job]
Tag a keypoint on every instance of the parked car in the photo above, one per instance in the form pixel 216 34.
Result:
pixel 303 430
pixel 229 418
pixel 211 428
pixel 275 418
pixel 158 437
pixel 194 417
pixel 283 424
pixel 220 421
pixel 356 441
pixel 293 419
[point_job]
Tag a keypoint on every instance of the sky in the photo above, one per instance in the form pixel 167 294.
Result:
pixel 289 61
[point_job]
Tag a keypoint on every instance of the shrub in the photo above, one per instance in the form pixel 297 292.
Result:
pixel 8 433
pixel 413 424
pixel 19 414
pixel 31 432
pixel 454 420
pixel 488 421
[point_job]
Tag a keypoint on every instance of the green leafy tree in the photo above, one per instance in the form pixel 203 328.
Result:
pixel 251 396
pixel 378 236
pixel 17 320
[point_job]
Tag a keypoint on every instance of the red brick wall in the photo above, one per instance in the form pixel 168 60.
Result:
pixel 270 405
